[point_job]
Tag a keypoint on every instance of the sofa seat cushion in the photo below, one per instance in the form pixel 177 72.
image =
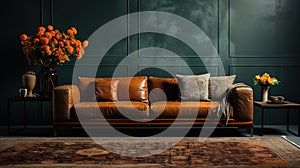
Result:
pixel 90 110
pixel 188 109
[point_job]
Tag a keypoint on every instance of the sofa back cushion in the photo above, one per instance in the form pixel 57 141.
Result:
pixel 87 89
pixel 163 89
pixel 104 89
pixel 133 88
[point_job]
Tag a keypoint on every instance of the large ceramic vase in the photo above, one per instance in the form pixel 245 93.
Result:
pixel 48 80
pixel 29 82
pixel 264 93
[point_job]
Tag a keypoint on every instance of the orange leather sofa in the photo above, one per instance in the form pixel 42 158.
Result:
pixel 151 101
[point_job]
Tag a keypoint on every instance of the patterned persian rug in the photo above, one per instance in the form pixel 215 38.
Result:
pixel 189 152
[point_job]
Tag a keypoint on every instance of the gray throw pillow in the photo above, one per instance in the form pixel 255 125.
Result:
pixel 219 85
pixel 193 87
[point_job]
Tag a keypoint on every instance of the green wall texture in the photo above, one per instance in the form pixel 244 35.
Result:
pixel 251 37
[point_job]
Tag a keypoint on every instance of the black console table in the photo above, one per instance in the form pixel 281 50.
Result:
pixel 285 105
pixel 40 99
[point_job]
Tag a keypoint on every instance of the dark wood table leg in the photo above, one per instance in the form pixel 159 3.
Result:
pixel 8 117
pixel 288 119
pixel 298 122
pixel 42 112
pixel 262 122
pixel 288 122
pixel 25 115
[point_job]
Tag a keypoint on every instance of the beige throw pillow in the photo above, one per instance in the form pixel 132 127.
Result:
pixel 219 85
pixel 193 87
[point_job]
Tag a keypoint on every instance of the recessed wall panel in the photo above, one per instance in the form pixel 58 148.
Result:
pixel 264 28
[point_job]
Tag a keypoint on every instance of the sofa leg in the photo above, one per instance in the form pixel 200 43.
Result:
pixel 55 133
pixel 251 131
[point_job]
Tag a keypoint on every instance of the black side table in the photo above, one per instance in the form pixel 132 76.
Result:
pixel 40 99
pixel 286 105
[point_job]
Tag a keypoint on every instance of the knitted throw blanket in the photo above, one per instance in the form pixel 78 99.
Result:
pixel 224 107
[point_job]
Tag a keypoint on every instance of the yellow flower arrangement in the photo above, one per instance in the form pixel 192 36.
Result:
pixel 265 80
pixel 49 47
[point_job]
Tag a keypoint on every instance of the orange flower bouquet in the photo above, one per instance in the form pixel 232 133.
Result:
pixel 49 47
pixel 265 80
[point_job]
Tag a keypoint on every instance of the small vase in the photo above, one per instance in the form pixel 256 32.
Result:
pixel 264 93
pixel 48 80
pixel 29 82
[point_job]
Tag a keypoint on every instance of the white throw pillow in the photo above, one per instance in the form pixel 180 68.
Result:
pixel 193 87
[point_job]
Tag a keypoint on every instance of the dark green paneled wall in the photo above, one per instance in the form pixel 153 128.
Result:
pixel 251 37
pixel 264 37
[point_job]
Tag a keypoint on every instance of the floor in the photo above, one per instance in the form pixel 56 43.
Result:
pixel 47 131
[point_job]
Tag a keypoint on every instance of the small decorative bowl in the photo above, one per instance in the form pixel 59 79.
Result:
pixel 276 98
pixel 280 98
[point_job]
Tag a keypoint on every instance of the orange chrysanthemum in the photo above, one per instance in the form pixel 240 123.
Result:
pixel 68 43
pixel 70 32
pixel 44 40
pixel 53 33
pixel 61 44
pixel 46 47
pixel 78 44
pixel 85 43
pixel 23 37
pixel 50 27
pixel 70 49
pixel 41 29
pixel 55 42
pixel 40 33
pixel 48 35
pixel 36 40
pixel 57 36
pixel 74 30
pixel 48 52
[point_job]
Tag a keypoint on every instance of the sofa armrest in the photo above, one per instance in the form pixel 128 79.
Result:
pixel 64 98
pixel 242 102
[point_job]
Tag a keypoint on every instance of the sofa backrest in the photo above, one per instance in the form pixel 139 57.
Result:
pixel 162 89
pixel 128 89
pixel 136 88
